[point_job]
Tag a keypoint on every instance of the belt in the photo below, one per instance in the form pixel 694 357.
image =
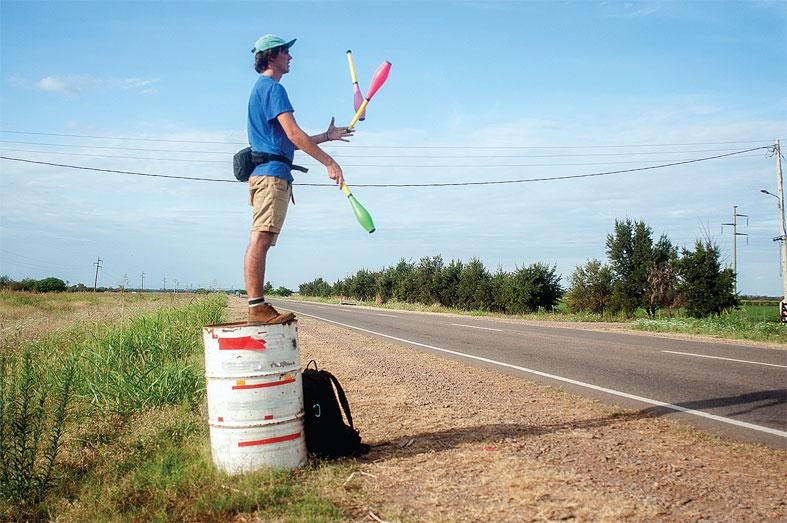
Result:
pixel 260 158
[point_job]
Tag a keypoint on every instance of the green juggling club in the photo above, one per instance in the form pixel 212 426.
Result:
pixel 361 214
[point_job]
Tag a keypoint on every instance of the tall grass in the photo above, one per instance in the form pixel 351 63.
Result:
pixel 736 324
pixel 32 422
pixel 89 373
pixel 106 422
pixel 149 362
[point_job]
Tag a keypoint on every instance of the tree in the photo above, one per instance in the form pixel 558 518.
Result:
pixel 361 286
pixel 384 283
pixel 474 286
pixel 628 251
pixel 404 282
pixel 449 284
pixel 501 289
pixel 707 288
pixel 50 284
pixel 591 288
pixel 632 255
pixel 534 287
pixel 268 288
pixel 317 287
pixel 662 287
pixel 426 279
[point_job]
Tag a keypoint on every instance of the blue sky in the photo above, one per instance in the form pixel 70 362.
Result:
pixel 478 91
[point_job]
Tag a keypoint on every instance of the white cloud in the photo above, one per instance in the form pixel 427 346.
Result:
pixel 72 86
pixel 55 84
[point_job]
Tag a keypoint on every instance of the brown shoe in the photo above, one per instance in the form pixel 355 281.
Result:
pixel 267 315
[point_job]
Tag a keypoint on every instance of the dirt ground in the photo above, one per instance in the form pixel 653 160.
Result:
pixel 452 442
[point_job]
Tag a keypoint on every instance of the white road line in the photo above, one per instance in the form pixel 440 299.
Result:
pixel 387 315
pixel 475 327
pixel 728 359
pixel 613 392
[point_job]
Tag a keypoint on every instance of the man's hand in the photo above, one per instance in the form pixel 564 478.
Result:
pixel 305 144
pixel 337 133
pixel 335 173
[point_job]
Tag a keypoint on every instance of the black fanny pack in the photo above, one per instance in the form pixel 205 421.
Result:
pixel 245 160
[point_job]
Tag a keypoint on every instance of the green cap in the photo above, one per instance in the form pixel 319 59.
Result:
pixel 269 42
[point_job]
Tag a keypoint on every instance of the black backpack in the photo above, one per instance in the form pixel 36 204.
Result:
pixel 327 436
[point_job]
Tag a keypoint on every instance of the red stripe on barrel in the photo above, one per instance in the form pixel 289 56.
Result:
pixel 263 385
pixel 278 439
pixel 242 343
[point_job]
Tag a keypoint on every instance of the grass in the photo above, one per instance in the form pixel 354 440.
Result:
pixel 542 315
pixel 752 321
pixel 105 420
pixel 757 323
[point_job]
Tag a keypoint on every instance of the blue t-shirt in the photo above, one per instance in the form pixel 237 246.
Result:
pixel 267 101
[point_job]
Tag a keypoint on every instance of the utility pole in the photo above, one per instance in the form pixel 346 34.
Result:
pixel 165 284
pixel 143 282
pixel 98 266
pixel 782 239
pixel 783 304
pixel 175 290
pixel 735 235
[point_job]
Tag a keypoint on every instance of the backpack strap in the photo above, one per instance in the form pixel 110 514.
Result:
pixel 310 362
pixel 342 397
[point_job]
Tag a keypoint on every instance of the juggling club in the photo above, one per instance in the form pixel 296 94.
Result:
pixel 361 214
pixel 357 95
pixel 378 79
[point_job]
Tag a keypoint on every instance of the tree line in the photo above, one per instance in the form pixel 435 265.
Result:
pixel 460 285
pixel 639 273
pixel 50 284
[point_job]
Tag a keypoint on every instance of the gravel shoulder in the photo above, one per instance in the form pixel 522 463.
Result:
pixel 452 442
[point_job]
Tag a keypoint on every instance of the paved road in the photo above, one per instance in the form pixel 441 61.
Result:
pixel 737 390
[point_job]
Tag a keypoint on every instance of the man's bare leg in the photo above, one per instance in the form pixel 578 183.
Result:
pixel 254 274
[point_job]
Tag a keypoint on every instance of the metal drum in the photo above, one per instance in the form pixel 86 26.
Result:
pixel 255 396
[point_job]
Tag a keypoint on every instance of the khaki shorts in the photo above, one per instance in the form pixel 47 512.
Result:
pixel 269 197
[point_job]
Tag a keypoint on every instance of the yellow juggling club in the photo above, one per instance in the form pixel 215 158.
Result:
pixel 361 214
pixel 357 95
pixel 378 79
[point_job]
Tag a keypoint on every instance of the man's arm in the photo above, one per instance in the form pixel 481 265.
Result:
pixel 304 142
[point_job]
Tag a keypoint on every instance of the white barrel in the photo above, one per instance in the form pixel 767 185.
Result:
pixel 238 349
pixel 255 399
pixel 255 396
pixel 238 449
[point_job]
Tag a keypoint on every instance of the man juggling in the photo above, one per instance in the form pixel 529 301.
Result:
pixel 274 135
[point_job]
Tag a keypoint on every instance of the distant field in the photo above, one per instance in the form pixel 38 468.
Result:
pixel 28 314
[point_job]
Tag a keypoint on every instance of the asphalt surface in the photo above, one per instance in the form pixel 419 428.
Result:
pixel 731 389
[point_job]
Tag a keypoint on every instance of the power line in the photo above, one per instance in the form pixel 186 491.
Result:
pixel 454 184
pixel 139 139
pixel 83 168
pixel 314 164
pixel 128 138
pixel 339 155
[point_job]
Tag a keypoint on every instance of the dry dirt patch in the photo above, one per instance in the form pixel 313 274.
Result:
pixel 452 442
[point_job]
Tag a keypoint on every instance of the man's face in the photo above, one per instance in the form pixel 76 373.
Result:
pixel 282 61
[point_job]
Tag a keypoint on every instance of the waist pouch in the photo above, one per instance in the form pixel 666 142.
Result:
pixel 245 160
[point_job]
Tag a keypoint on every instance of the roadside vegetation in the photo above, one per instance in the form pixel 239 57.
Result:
pixel 104 420
pixel 650 285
